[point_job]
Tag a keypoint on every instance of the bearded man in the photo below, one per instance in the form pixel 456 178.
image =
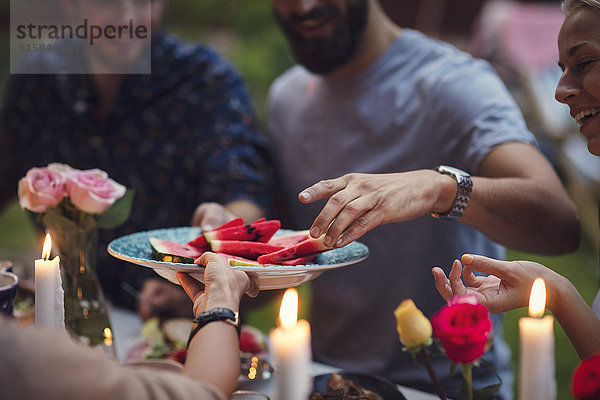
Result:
pixel 430 130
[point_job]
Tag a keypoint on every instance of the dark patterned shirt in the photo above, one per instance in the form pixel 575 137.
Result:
pixel 183 135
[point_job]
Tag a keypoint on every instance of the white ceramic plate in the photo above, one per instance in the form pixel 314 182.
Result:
pixel 136 249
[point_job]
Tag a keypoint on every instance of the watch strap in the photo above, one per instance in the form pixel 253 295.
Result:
pixel 463 193
pixel 216 314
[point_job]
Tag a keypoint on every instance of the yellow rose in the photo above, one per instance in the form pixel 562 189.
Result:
pixel 413 327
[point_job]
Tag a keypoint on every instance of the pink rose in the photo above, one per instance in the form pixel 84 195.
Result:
pixel 41 189
pixel 92 190
pixel 463 328
pixel 63 169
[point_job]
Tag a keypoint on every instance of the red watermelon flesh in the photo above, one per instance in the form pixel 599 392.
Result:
pixel 201 243
pixel 243 248
pixel 168 251
pixel 305 248
pixel 289 239
pixel 260 231
pixel 299 261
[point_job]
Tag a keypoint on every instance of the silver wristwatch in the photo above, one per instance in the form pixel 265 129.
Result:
pixel 463 194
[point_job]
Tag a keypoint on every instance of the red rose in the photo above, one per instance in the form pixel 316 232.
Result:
pixel 463 328
pixel 586 379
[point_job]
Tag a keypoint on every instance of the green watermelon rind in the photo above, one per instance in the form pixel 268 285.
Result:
pixel 170 258
pixel 162 253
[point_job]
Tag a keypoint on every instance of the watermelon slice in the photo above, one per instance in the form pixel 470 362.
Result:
pixel 260 231
pixel 289 239
pixel 201 243
pixel 299 261
pixel 243 248
pixel 305 248
pixel 168 251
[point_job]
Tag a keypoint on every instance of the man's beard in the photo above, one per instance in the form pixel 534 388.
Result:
pixel 324 54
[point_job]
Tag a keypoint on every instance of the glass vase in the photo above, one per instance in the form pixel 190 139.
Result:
pixel 86 311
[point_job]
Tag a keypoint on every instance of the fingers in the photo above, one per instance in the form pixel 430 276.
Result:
pixel 469 277
pixel 253 289
pixel 354 219
pixel 192 287
pixel 219 272
pixel 441 283
pixel 486 265
pixel 145 310
pixel 147 300
pixel 340 201
pixel 322 190
pixel 209 257
pixel 458 288
pixel 357 228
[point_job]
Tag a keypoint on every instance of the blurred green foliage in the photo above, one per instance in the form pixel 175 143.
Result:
pixel 245 32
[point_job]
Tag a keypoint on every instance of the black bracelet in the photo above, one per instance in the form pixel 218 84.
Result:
pixel 216 314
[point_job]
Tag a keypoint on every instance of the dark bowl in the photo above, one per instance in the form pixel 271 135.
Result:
pixel 9 284
pixel 386 389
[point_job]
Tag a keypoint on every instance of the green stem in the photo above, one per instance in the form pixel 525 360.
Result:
pixel 467 373
pixel 434 378
pixel 81 217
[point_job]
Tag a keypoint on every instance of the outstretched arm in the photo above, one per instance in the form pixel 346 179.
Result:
pixel 508 286
pixel 213 355
pixel 517 200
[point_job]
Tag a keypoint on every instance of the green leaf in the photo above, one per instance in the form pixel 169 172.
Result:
pixel 453 366
pixel 117 213
pixel 488 392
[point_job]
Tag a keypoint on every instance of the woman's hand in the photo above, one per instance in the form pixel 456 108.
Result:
pixel 507 286
pixel 223 285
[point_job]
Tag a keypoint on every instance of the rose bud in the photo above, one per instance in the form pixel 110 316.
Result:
pixel 413 327
pixel 464 329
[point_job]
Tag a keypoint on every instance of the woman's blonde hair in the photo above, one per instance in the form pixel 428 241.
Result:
pixel 572 5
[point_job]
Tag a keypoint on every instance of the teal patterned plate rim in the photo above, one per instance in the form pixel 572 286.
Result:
pixel 135 248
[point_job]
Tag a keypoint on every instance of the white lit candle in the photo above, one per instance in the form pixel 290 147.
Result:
pixel 536 378
pixel 49 295
pixel 290 343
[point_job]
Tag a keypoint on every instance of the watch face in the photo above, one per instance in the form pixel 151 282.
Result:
pixel 445 169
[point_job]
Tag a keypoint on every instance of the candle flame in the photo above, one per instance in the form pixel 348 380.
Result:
pixel 47 247
pixel 288 313
pixel 107 333
pixel 537 298
pixel 108 337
